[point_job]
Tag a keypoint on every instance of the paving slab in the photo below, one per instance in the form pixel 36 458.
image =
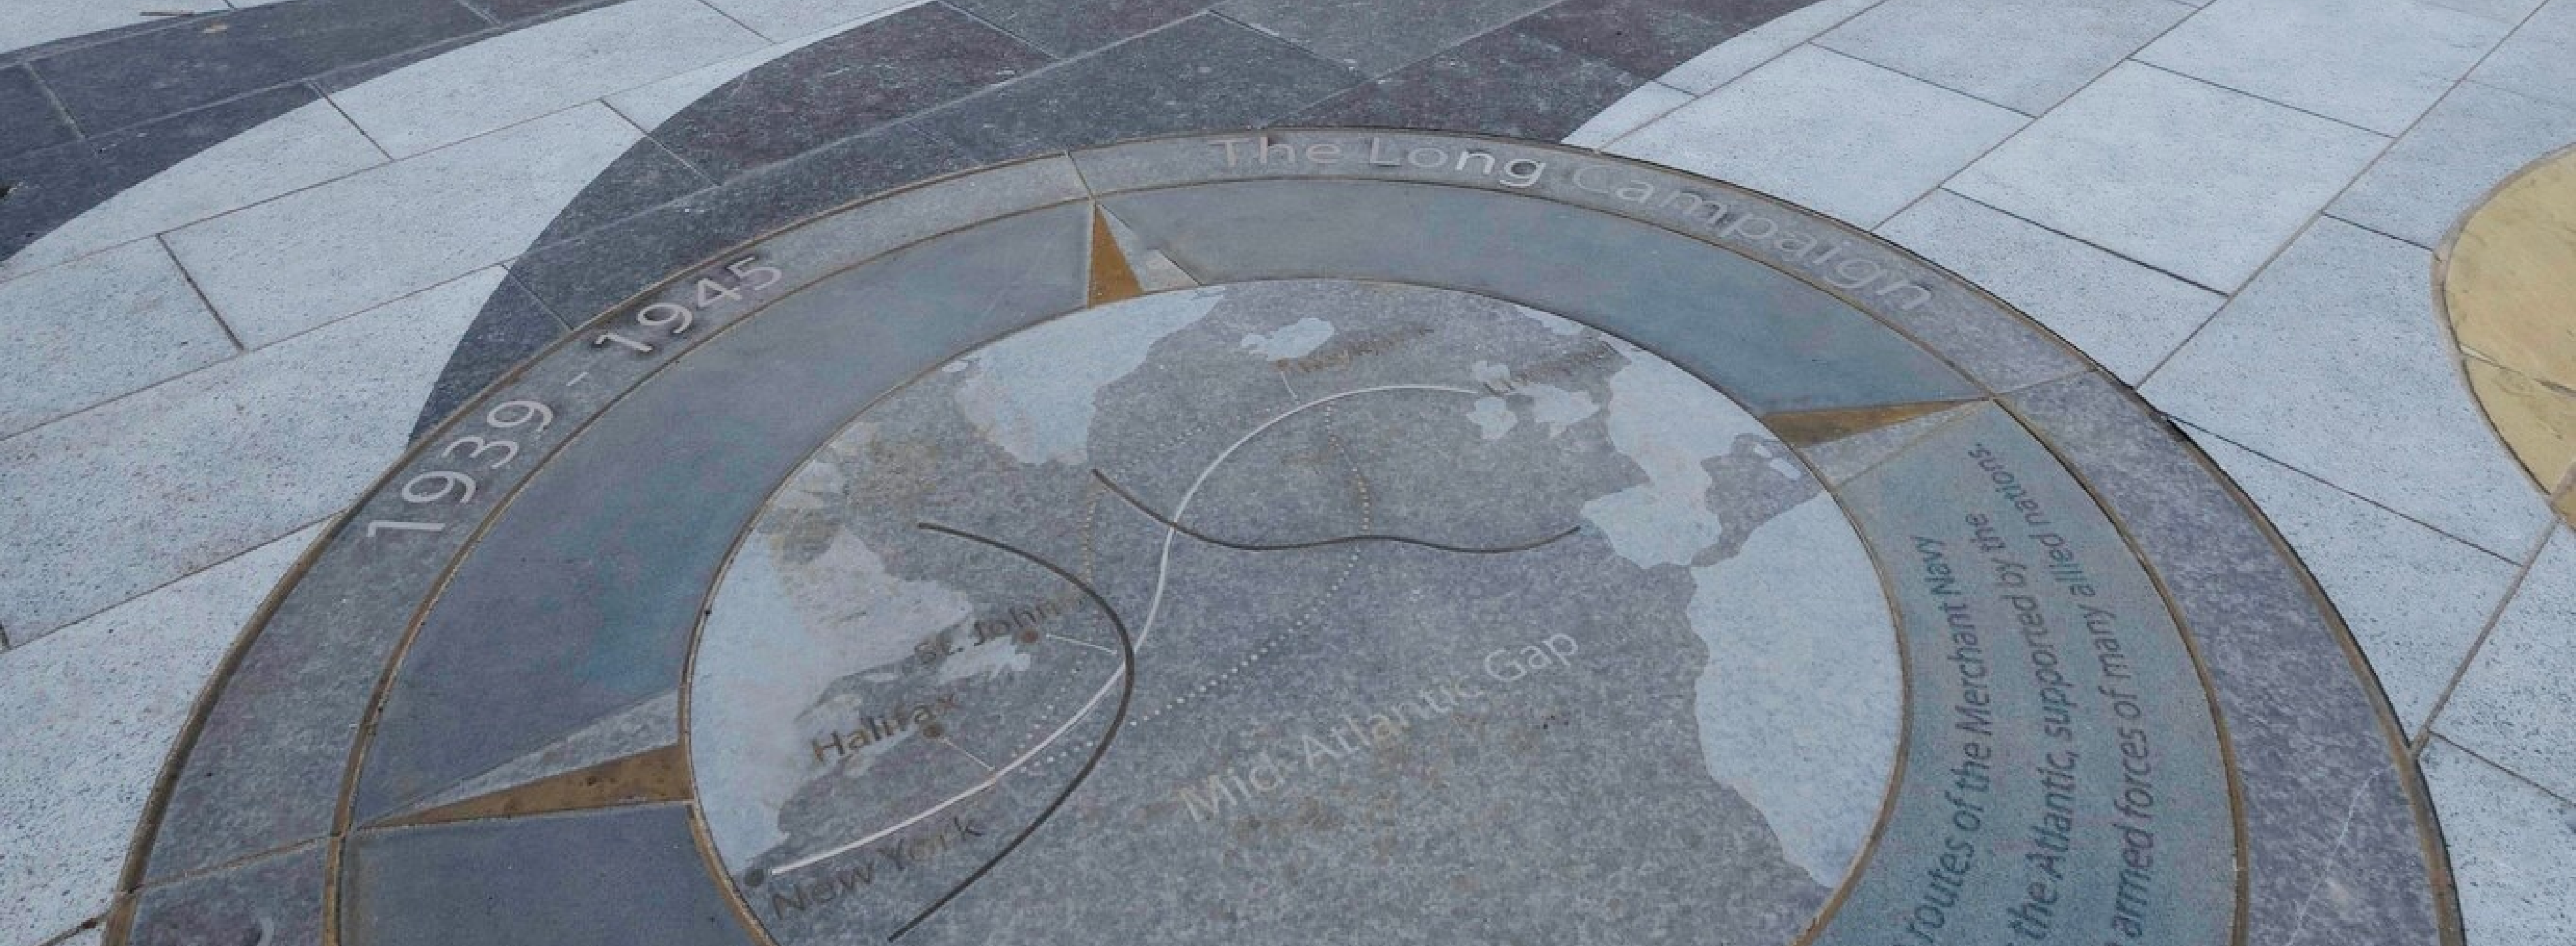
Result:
pixel 1721 64
pixel 276 898
pixel 1072 27
pixel 2533 60
pixel 1205 72
pixel 309 145
pixel 320 254
pixel 1789 129
pixel 2512 703
pixel 2332 363
pixel 1374 39
pixel 512 326
pixel 91 711
pixel 781 20
pixel 843 86
pixel 2374 63
pixel 566 879
pixel 119 500
pixel 2124 315
pixel 2450 161
pixel 2508 842
pixel 53 186
pixel 1648 37
pixel 28 119
pixel 2173 172
pixel 537 71
pixel 163 72
pixel 2415 599
pixel 43 21
pixel 1511 82
pixel 1632 111
pixel 92 330
pixel 2023 55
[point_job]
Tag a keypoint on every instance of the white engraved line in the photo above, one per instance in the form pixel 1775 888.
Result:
pixel 1162 577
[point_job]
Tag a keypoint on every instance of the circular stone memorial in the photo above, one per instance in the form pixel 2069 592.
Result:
pixel 1314 536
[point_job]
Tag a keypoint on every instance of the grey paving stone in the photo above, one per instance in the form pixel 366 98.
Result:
pixel 1507 82
pixel 1801 349
pixel 84 332
pixel 2512 846
pixel 1642 104
pixel 46 26
pixel 57 184
pixel 1841 136
pixel 1379 37
pixel 522 74
pixel 512 326
pixel 27 118
pixel 2328 813
pixel 781 20
pixel 2184 176
pixel 618 576
pixel 2025 55
pixel 2374 63
pixel 1204 72
pixel 2516 705
pixel 2124 315
pixel 150 75
pixel 2427 182
pixel 2333 363
pixel 1648 37
pixel 316 255
pixel 2534 60
pixel 273 900
pixel 2414 598
pixel 1704 73
pixel 647 176
pixel 855 81
pixel 1072 27
pixel 563 880
pixel 124 498
pixel 308 145
pixel 91 711
pixel 587 274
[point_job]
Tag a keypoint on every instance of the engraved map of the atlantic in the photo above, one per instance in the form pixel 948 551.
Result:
pixel 1439 609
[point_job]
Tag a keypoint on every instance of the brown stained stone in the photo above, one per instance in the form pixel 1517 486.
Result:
pixel 1808 428
pixel 1112 279
pixel 643 778
pixel 2509 290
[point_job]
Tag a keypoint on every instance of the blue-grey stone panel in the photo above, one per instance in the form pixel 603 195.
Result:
pixel 1507 82
pixel 27 118
pixel 271 901
pixel 1071 27
pixel 2336 832
pixel 2063 777
pixel 584 601
pixel 610 878
pixel 1381 37
pixel 1770 341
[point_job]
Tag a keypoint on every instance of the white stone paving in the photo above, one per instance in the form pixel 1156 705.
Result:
pixel 2025 55
pixel 34 22
pixel 108 325
pixel 124 682
pixel 540 70
pixel 2328 359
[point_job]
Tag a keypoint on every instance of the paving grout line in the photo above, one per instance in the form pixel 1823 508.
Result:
pixel 281 340
pixel 56 101
pixel 84 926
pixel 369 136
pixel 2376 133
pixel 1767 60
pixel 2495 617
pixel 2322 210
pixel 219 563
pixel 2545 790
pixel 212 312
pixel 737 21
pixel 2027 117
pixel 2196 427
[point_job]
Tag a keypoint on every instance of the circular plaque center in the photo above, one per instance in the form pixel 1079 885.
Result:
pixel 1403 612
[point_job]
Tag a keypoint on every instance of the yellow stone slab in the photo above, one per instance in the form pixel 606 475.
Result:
pixel 2509 290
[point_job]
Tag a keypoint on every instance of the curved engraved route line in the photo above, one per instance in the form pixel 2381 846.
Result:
pixel 1162 578
pixel 1127 694
pixel 1124 672
pixel 1167 523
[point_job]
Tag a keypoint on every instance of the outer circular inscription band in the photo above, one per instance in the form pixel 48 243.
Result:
pixel 1315 536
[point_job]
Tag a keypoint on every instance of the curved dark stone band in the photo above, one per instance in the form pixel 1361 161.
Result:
pixel 2326 800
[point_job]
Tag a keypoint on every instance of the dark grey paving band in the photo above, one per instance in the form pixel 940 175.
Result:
pixel 948 86
pixel 2124 708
